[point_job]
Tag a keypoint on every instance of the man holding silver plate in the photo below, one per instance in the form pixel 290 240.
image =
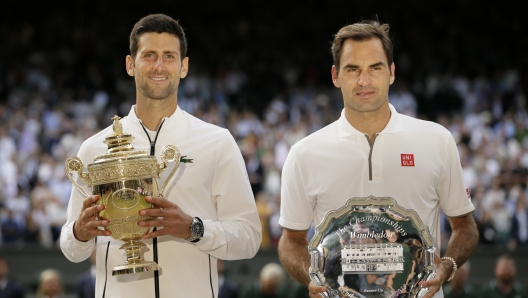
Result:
pixel 204 212
pixel 373 184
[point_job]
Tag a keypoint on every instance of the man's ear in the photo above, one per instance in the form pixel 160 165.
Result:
pixel 129 64
pixel 184 67
pixel 392 73
pixel 334 77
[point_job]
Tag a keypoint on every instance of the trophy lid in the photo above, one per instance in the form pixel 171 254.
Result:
pixel 119 145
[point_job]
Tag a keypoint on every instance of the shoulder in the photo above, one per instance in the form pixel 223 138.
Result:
pixel 195 123
pixel 318 140
pixel 426 132
pixel 207 132
pixel 15 287
pixel 425 126
pixel 95 144
pixel 520 288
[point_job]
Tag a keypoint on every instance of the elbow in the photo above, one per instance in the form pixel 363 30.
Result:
pixel 257 236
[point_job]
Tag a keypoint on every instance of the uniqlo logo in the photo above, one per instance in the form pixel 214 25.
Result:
pixel 407 160
pixel 468 195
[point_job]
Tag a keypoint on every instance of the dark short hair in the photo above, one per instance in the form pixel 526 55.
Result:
pixel 157 23
pixel 505 256
pixel 362 31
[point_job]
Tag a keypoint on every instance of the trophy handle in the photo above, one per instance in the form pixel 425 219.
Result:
pixel 169 153
pixel 75 165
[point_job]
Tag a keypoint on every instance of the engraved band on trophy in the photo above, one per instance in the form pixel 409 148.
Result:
pixel 372 247
pixel 122 178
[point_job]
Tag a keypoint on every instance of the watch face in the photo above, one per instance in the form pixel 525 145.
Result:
pixel 197 229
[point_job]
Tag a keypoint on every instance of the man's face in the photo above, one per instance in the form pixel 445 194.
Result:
pixel 505 271
pixel 392 236
pixel 371 278
pixel 157 67
pixel 364 75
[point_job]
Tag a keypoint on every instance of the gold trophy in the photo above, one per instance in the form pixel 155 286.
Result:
pixel 122 178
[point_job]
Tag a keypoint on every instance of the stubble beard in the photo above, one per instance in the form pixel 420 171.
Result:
pixel 365 105
pixel 507 279
pixel 158 93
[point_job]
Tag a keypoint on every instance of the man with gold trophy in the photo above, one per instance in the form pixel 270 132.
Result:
pixel 165 194
pixel 373 184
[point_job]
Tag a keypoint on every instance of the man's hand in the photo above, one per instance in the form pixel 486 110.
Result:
pixel 315 290
pixel 174 221
pixel 464 239
pixel 86 227
pixel 443 271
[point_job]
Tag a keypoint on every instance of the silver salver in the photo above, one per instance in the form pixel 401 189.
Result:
pixel 372 247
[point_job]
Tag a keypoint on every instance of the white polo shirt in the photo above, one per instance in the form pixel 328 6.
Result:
pixel 415 162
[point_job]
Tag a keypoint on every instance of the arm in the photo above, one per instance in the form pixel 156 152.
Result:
pixel 464 239
pixel 462 243
pixel 294 256
pixel 78 233
pixel 235 233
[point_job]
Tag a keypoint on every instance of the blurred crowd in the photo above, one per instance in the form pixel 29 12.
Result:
pixel 41 127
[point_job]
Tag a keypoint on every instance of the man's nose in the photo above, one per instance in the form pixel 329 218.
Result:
pixel 159 64
pixel 364 79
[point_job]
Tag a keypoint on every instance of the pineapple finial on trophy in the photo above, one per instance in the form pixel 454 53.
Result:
pixel 118 128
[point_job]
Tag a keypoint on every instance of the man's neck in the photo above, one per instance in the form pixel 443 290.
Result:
pixel 369 123
pixel 151 112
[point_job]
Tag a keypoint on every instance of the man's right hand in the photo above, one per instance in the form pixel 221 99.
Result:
pixel 86 227
pixel 316 290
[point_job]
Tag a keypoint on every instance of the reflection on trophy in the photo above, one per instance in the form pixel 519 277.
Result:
pixel 122 178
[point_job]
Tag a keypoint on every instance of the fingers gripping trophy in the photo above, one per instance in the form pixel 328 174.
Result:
pixel 122 178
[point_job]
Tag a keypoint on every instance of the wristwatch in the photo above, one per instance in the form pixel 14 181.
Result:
pixel 197 230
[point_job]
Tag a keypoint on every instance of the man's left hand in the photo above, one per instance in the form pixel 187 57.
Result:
pixel 168 215
pixel 443 271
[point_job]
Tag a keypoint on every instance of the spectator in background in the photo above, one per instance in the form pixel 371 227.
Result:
pixel 8 288
pixel 271 279
pixel 519 227
pixel 458 287
pixel 85 286
pixel 12 231
pixel 50 284
pixel 504 284
pixel 226 288
pixel 265 210
pixel 20 206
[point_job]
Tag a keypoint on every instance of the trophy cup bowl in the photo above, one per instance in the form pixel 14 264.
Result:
pixel 122 178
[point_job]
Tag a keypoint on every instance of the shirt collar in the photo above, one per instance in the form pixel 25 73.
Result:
pixel 170 121
pixel 346 129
